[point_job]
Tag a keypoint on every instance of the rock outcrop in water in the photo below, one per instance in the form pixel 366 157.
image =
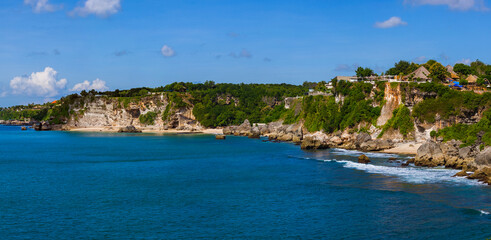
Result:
pixel 363 159
pixel 451 155
pixel 129 129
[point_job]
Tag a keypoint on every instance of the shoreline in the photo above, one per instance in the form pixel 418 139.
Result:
pixel 410 148
pixel 148 130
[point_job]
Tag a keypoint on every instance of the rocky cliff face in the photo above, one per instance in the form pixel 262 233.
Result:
pixel 114 112
pixel 392 99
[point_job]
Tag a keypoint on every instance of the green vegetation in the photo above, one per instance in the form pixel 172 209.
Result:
pixel 438 72
pixel 401 120
pixel 230 104
pixel 323 113
pixel 364 72
pixel 450 103
pixel 148 118
pixel 468 134
pixel 402 67
pixel 359 103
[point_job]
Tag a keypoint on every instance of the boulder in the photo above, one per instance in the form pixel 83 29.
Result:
pixel 429 155
pixel 312 143
pixel 296 139
pixel 484 157
pixel 255 133
pixel 285 137
pixel 129 129
pixel 228 131
pixel 244 128
pixel 23 128
pixel 336 140
pixel 462 173
pixel 45 127
pixel 361 138
pixel 410 160
pixel 376 145
pixel 483 175
pixel 220 137
pixel 345 136
pixel 465 152
pixel 363 159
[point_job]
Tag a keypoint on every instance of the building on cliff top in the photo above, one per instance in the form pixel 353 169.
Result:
pixel 421 73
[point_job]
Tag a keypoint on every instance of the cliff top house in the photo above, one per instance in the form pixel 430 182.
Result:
pixel 420 73
pixel 453 74
pixel 471 79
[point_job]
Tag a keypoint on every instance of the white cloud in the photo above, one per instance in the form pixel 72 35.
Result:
pixel 167 51
pixel 43 84
pixel 101 8
pixel 420 59
pixel 465 61
pixel 39 6
pixel 462 5
pixel 390 23
pixel 97 85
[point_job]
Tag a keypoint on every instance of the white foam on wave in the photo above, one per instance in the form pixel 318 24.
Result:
pixel 413 174
pixel 484 212
pixel 417 175
pixel 355 153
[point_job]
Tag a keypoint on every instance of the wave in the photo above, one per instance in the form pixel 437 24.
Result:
pixel 416 175
pixel 355 153
pixel 413 174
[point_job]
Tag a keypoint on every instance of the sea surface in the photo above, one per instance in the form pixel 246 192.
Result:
pixel 65 185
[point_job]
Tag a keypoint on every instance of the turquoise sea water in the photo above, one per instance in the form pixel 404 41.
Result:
pixel 61 185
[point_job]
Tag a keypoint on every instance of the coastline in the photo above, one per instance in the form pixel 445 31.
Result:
pixel 410 148
pixel 147 130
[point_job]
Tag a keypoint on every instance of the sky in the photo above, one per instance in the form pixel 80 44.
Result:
pixel 51 48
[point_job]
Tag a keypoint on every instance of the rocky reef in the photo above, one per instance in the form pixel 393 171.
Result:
pixel 450 154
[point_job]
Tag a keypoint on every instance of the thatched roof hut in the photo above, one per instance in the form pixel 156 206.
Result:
pixel 420 73
pixel 471 78
pixel 453 74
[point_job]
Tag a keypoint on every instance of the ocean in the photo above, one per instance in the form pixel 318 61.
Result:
pixel 66 185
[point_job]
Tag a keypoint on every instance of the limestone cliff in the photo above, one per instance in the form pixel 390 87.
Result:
pixel 392 100
pixel 120 112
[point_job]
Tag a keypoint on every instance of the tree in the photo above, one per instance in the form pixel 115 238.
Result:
pixel 308 84
pixel 438 72
pixel 429 64
pixel 481 81
pixel 464 82
pixel 478 67
pixel 364 72
pixel 462 69
pixel 400 67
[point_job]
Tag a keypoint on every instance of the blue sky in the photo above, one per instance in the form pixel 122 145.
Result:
pixel 50 48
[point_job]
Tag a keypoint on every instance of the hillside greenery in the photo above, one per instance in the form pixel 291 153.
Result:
pixel 148 118
pixel 401 120
pixel 468 134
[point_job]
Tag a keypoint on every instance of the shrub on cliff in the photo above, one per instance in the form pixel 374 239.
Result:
pixel 451 103
pixel 148 118
pixel 469 134
pixel 401 120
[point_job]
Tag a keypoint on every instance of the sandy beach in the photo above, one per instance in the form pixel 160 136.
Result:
pixel 405 148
